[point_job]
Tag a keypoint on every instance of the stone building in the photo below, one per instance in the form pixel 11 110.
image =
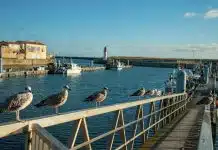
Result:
pixel 23 50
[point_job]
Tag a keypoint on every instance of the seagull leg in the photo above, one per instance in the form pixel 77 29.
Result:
pixel 18 116
pixel 56 110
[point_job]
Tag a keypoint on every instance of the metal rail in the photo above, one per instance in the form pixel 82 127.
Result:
pixel 162 111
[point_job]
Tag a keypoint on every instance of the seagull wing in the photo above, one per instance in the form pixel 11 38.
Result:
pixel 100 97
pixel 51 100
pixel 137 93
pixel 15 101
pixel 93 96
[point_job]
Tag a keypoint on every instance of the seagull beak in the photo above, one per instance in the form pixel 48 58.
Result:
pixel 69 89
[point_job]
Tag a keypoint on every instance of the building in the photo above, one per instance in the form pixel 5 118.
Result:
pixel 105 53
pixel 23 50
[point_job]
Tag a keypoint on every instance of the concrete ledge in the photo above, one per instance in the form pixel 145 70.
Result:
pixel 206 140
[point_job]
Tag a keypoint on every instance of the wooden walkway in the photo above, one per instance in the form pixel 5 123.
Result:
pixel 185 132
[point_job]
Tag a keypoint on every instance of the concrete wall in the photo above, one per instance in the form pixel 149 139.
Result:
pixel 24 63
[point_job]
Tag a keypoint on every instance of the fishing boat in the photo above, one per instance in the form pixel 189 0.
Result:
pixel 72 68
pixel 117 66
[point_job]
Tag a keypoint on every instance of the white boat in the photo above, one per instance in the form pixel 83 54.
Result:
pixel 73 69
pixel 118 66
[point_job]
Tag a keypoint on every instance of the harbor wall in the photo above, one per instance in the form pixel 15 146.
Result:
pixel 150 63
pixel 23 73
pixel 24 63
pixel 89 69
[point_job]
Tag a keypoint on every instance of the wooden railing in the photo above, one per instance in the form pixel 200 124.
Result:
pixel 162 111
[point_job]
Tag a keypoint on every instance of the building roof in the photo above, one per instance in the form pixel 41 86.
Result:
pixel 20 42
pixel 7 42
pixel 30 42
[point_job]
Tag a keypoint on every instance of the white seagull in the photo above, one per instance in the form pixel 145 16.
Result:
pixel 55 100
pixel 98 97
pixel 17 102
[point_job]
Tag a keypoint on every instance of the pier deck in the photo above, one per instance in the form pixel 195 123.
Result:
pixel 186 131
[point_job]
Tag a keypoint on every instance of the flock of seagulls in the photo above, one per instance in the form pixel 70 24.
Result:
pixel 20 101
pixel 143 92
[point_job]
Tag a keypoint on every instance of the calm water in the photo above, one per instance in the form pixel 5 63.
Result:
pixel 121 83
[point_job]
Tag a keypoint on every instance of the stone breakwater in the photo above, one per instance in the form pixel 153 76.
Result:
pixel 23 73
pixel 87 69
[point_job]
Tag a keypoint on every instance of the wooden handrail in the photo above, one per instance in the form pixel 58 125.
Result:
pixel 10 128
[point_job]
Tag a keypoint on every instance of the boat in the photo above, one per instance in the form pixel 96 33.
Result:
pixel 117 66
pixel 72 68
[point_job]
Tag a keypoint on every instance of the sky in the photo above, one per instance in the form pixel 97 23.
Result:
pixel 152 28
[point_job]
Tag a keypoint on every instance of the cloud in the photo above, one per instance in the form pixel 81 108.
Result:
pixel 190 14
pixel 211 14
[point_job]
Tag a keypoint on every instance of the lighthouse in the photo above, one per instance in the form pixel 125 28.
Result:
pixel 105 53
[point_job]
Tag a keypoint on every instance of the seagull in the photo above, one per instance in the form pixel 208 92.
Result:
pixel 139 92
pixel 206 100
pixel 55 100
pixel 98 97
pixel 17 102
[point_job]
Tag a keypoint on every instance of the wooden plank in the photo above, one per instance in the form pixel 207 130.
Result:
pixel 45 121
pixel 162 133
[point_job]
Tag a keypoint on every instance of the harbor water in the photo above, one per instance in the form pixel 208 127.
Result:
pixel 121 84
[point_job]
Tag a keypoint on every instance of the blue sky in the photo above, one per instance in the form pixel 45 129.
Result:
pixel 161 28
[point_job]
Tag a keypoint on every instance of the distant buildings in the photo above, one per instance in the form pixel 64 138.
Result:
pixel 105 53
pixel 23 50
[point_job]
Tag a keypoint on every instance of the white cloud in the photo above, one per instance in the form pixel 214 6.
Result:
pixel 190 14
pixel 212 13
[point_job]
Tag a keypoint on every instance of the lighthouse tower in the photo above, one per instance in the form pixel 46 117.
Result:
pixel 105 53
